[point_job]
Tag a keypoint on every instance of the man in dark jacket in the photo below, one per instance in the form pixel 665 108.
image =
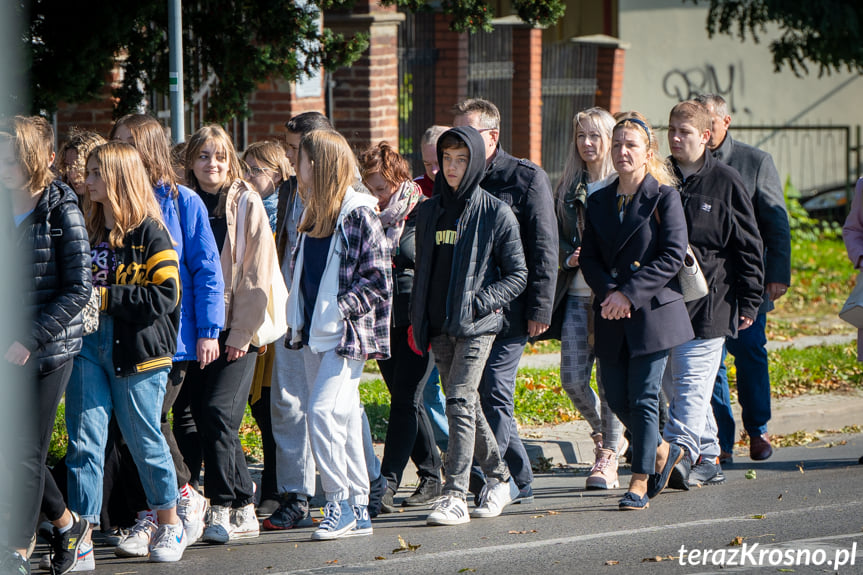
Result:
pixel 724 237
pixel 469 265
pixel 525 187
pixel 750 356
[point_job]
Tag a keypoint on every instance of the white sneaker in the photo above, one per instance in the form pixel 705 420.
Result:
pixel 169 543
pixel 137 542
pixel 493 498
pixel 192 511
pixel 218 528
pixel 244 523
pixel 448 510
pixel 86 559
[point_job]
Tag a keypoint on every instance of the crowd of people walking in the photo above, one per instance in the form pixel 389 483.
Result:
pixel 167 291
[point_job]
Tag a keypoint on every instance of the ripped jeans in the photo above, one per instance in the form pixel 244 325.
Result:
pixel 461 362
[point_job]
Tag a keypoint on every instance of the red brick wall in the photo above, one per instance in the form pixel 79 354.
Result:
pixel 274 103
pixel 450 70
pixel 95 115
pixel 527 94
pixel 609 77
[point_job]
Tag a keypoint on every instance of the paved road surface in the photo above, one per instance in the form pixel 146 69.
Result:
pixel 804 498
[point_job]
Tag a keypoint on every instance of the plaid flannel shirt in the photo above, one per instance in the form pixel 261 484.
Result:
pixel 365 287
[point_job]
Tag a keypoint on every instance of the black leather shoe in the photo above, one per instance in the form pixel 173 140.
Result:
pixel 658 481
pixel 427 491
pixel 759 447
pixel 679 478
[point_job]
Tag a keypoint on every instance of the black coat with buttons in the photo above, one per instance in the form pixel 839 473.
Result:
pixel 53 236
pixel 640 257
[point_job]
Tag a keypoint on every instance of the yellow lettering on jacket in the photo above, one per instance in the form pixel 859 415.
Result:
pixel 131 274
pixel 445 237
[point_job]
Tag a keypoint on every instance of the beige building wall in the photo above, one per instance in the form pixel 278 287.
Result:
pixel 671 58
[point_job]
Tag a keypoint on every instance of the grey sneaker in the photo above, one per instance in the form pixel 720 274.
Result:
pixel 708 471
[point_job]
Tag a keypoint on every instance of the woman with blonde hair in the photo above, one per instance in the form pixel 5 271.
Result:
pixel 202 310
pixel 267 170
pixel 634 243
pixel 54 287
pixel 218 392
pixel 588 169
pixel 123 367
pixel 338 312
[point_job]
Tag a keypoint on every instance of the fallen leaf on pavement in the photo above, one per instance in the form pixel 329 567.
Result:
pixel 332 562
pixel 612 562
pixel 750 474
pixel 657 559
pixel 521 532
pixel 756 517
pixel 736 541
pixel 405 546
pixel 800 467
pixel 780 497
pixel 554 512
pixel 467 569
pixel 379 558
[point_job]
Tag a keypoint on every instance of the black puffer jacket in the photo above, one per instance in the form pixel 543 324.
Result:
pixel 55 237
pixel 488 268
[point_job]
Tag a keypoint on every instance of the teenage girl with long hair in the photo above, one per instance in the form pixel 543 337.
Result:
pixel 202 307
pixel 338 311
pixel 123 368
pixel 219 391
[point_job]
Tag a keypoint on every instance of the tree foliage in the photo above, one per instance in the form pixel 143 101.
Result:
pixel 826 33
pixel 230 46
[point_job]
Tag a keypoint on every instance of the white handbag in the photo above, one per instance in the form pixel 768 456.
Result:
pixel 275 320
pixel 692 281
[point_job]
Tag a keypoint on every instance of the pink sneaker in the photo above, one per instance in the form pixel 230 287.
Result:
pixel 603 474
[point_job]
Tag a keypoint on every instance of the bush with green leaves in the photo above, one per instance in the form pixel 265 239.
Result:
pixel 803 226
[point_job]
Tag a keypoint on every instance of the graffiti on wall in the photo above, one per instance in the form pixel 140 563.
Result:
pixel 685 84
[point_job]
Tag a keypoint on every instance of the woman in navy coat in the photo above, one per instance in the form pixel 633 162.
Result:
pixel 634 244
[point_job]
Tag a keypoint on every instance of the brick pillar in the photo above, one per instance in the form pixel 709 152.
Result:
pixel 526 126
pixel 609 76
pixel 276 101
pixel 450 69
pixel 365 96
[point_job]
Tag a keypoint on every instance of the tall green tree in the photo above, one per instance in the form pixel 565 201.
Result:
pixel 824 33
pixel 71 47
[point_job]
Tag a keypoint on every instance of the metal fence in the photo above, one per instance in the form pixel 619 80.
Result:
pixel 417 59
pixel 568 86
pixel 489 74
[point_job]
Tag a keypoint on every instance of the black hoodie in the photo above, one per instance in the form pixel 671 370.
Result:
pixel 460 288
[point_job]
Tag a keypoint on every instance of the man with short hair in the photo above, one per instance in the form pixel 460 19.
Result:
pixel 428 149
pixel 525 187
pixel 762 182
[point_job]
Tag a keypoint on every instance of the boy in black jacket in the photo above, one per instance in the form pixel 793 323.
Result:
pixel 469 264
pixel 724 236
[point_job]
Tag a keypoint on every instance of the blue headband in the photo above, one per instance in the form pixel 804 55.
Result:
pixel 637 122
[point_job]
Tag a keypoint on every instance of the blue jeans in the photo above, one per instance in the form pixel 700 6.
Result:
pixel 632 389
pixel 497 397
pixel 93 393
pixel 753 385
pixel 435 408
pixel 688 384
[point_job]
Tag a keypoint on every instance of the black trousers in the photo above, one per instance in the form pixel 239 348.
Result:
pixel 218 402
pixel 409 433
pixel 261 413
pixel 31 486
